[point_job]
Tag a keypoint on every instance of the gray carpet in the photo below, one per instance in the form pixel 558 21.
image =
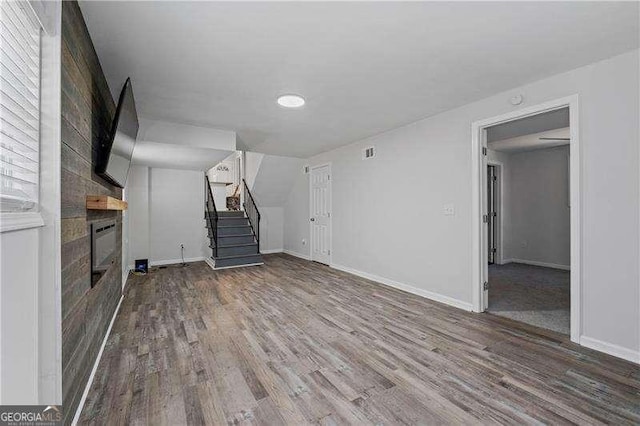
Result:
pixel 531 294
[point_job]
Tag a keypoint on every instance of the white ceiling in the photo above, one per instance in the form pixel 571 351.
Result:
pixel 180 146
pixel 551 120
pixel 362 67
pixel 532 141
pixel 175 156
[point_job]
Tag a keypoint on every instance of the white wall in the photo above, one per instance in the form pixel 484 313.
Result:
pixel 539 228
pixel 177 215
pixel 19 316
pixel 270 178
pixel 296 218
pixel 166 209
pixel 138 212
pixel 271 229
pixel 388 212
pixel 274 179
pixel 251 166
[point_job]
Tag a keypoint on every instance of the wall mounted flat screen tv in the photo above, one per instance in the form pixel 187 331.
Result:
pixel 114 156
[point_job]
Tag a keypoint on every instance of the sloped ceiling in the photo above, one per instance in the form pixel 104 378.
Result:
pixel 274 180
pixel 177 146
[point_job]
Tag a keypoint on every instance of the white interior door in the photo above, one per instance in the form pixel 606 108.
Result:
pixel 321 214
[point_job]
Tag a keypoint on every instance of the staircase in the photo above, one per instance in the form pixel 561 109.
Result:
pixel 234 236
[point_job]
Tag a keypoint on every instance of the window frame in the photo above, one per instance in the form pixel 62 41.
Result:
pixel 19 220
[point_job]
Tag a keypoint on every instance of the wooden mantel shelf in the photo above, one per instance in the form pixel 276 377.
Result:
pixel 104 202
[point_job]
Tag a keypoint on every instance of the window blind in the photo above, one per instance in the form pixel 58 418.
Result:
pixel 19 106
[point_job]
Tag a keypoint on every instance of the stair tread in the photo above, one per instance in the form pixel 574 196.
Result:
pixel 237 245
pixel 233 226
pixel 225 246
pixel 236 256
pixel 231 217
pixel 236 235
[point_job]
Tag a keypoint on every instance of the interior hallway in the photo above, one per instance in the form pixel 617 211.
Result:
pixel 532 294
pixel 296 342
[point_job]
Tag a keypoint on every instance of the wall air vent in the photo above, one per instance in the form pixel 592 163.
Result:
pixel 368 153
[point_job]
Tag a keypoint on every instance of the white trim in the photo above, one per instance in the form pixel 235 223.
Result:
pixel 209 261
pixel 409 289
pixel 236 266
pixel 317 166
pixel 175 261
pixel 271 251
pixel 124 225
pixel 536 263
pixel 611 349
pixel 125 277
pixel 76 417
pixel 212 264
pixel 479 264
pixel 49 258
pixel 296 254
pixel 15 221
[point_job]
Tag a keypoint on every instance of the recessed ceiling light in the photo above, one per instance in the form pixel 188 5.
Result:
pixel 291 101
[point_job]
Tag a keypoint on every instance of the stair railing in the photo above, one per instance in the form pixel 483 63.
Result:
pixel 211 214
pixel 251 210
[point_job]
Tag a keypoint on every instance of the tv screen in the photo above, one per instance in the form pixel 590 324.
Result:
pixel 114 158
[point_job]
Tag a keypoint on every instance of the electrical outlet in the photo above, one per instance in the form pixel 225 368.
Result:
pixel 449 210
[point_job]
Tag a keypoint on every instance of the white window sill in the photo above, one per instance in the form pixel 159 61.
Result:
pixel 10 221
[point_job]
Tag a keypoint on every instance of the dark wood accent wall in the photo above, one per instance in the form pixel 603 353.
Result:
pixel 87 111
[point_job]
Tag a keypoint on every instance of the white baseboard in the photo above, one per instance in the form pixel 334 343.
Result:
pixel 536 263
pixel 175 261
pixel 238 266
pixel 296 254
pixel 125 276
pixel 209 261
pixel 271 251
pixel 409 289
pixel 76 417
pixel 611 349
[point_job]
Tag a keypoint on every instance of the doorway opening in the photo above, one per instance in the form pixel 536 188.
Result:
pixel 528 210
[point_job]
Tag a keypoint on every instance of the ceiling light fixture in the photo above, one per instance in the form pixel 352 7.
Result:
pixel 291 101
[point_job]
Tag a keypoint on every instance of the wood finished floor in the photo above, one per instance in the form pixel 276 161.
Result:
pixel 293 342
